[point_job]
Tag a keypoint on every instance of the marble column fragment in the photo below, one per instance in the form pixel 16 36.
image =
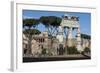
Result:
pixel 69 41
pixel 79 48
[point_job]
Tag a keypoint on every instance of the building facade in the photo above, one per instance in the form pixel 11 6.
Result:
pixel 43 41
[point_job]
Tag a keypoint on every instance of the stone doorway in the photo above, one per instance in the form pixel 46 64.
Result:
pixel 60 50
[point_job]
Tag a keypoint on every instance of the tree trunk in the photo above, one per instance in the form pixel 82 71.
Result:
pixel 51 45
pixel 29 51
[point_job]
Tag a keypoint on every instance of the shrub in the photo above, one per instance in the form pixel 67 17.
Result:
pixel 72 50
pixel 87 49
pixel 43 51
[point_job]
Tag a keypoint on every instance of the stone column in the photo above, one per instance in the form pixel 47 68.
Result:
pixel 60 35
pixel 69 41
pixel 79 47
pixel 60 39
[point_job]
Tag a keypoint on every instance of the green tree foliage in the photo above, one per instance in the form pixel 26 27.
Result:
pixel 44 20
pixel 30 22
pixel 85 36
pixel 50 22
pixel 31 32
